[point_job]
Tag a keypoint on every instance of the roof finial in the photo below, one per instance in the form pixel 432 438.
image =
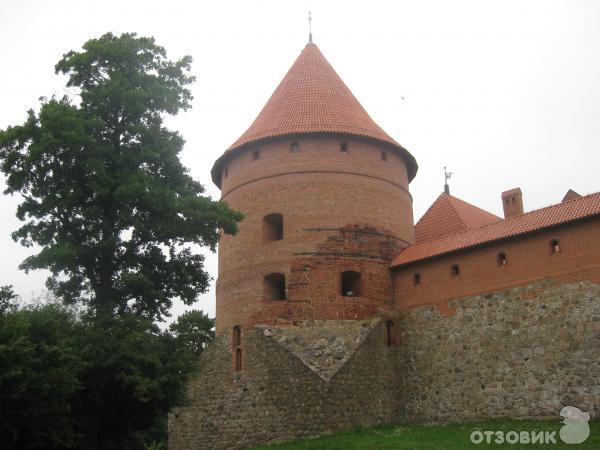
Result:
pixel 310 28
pixel 447 176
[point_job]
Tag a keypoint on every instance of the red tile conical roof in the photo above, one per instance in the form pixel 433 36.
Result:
pixel 312 98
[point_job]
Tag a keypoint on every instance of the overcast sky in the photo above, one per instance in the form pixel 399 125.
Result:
pixel 505 93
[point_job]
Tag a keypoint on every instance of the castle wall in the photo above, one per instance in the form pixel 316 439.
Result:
pixel 529 258
pixel 276 397
pixel 520 352
pixel 341 211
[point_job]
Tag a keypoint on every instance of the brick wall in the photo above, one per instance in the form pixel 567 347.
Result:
pixel 529 258
pixel 341 211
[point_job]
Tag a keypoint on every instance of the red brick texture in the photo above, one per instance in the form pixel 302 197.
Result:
pixel 341 211
pixel 529 258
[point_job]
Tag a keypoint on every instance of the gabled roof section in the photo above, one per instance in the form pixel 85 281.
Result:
pixel 562 213
pixel 570 195
pixel 312 98
pixel 450 215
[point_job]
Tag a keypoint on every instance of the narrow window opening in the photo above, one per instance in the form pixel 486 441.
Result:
pixel 255 155
pixel 238 359
pixel 344 147
pixel 351 286
pixel 555 246
pixel 513 199
pixel 295 147
pixel 237 336
pixel 455 270
pixel 274 287
pixel 507 201
pixel 389 333
pixel 273 227
pixel 502 260
pixel 417 279
pixel 384 156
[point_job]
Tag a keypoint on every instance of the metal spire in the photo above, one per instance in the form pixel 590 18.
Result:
pixel 309 28
pixel 447 176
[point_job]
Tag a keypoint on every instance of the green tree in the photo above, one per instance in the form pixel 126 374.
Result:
pixel 134 374
pixel 82 382
pixel 194 329
pixel 105 195
pixel 40 367
pixel 7 298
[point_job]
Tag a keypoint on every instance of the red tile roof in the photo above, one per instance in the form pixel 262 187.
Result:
pixel 450 215
pixel 539 219
pixel 312 98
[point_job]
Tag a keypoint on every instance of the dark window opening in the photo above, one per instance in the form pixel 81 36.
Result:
pixel 255 155
pixel 555 246
pixel 295 147
pixel 384 156
pixel 389 333
pixel 344 147
pixel 237 336
pixel 455 270
pixel 507 201
pixel 513 199
pixel 351 284
pixel 274 286
pixel 417 279
pixel 273 227
pixel 238 359
pixel 502 260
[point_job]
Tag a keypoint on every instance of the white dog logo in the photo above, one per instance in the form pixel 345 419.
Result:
pixel 576 428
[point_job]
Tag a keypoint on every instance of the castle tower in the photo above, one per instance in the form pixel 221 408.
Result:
pixel 325 195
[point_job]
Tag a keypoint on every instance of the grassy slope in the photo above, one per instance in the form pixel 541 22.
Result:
pixel 448 437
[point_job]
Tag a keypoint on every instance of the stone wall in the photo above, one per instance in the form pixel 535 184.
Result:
pixel 520 352
pixel 295 382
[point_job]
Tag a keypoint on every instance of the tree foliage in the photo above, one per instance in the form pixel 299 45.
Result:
pixel 78 382
pixel 40 363
pixel 105 195
pixel 7 298
pixel 194 329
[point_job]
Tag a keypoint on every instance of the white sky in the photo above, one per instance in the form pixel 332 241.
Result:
pixel 505 93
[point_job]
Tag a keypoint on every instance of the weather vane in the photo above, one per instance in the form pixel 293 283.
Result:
pixel 310 28
pixel 447 176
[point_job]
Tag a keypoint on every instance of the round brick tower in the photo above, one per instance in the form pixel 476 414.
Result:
pixel 325 195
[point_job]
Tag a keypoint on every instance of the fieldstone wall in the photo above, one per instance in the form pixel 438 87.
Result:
pixel 522 352
pixel 295 381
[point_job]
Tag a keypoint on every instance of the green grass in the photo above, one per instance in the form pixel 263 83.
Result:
pixel 443 437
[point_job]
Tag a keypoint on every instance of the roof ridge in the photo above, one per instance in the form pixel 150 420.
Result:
pixel 508 219
pixel 504 229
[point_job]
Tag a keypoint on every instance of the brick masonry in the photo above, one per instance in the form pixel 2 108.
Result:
pixel 529 258
pixel 336 216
